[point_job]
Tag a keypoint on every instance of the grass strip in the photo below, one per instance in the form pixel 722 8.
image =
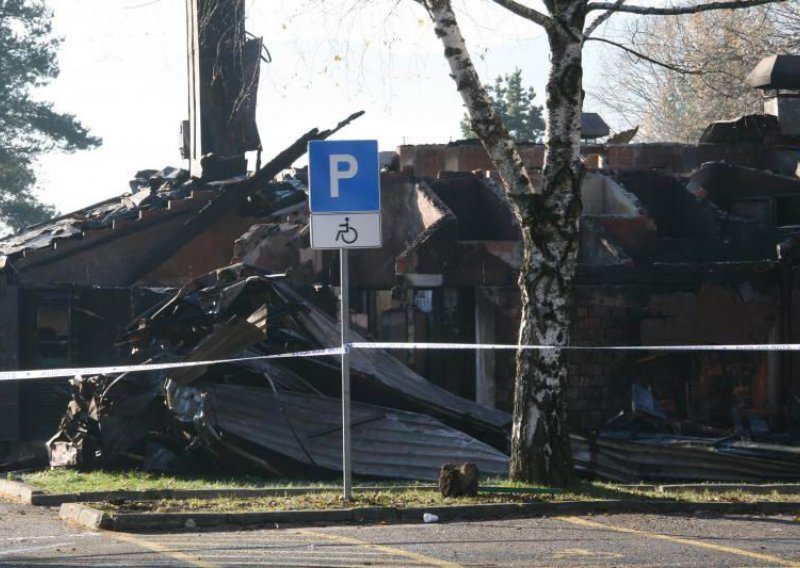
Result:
pixel 493 491
pixel 60 481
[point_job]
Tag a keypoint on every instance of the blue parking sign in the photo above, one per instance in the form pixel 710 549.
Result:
pixel 344 176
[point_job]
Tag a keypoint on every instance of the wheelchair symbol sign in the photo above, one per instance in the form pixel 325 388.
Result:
pixel 344 194
pixel 345 230
pixel 347 234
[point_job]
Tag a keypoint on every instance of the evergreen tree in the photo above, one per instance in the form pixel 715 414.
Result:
pixel 514 105
pixel 29 127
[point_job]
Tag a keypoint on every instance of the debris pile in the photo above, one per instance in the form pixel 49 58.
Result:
pixel 644 444
pixel 150 189
pixel 275 416
pixel 673 457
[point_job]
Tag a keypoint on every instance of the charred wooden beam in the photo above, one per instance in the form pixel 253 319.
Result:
pixel 229 197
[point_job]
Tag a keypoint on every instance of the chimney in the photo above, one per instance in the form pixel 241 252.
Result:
pixel 778 76
pixel 223 72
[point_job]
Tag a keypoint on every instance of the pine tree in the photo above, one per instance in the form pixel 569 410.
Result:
pixel 514 105
pixel 29 127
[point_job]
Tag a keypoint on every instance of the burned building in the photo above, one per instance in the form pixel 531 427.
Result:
pixel 680 245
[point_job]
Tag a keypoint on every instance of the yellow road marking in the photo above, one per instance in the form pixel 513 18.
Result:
pixel 585 552
pixel 415 556
pixel 774 560
pixel 161 549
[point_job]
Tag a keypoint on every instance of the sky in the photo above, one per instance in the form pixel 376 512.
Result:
pixel 123 73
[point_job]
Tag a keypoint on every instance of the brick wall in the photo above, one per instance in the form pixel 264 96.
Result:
pixel 598 384
pixel 698 386
pixel 679 159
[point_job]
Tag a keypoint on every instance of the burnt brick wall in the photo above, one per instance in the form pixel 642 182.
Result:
pixel 428 160
pixel 598 384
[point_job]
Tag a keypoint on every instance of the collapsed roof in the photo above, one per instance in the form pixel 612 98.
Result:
pixel 277 416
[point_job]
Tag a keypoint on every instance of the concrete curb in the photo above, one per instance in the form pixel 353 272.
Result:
pixel 754 488
pixel 29 495
pixel 21 493
pixel 83 515
pixel 155 522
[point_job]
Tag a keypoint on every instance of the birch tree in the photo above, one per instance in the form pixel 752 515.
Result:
pixel 547 212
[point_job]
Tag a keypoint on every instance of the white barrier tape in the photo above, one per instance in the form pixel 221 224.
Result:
pixel 513 347
pixel 71 372
pixel 56 373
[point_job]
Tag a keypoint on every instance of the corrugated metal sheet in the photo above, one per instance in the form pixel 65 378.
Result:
pixel 675 458
pixel 418 392
pixel 385 442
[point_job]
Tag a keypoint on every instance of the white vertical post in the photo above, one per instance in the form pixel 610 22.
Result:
pixel 193 69
pixel 344 283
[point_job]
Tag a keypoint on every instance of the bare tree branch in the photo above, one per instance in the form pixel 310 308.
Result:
pixel 525 12
pixel 597 22
pixel 676 68
pixel 674 106
pixel 678 10
pixel 484 119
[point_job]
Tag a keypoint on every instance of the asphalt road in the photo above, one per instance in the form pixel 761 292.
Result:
pixel 33 536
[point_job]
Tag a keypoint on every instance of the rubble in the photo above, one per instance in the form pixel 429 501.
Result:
pixel 163 191
pixel 671 457
pixel 274 416
pixel 150 189
pixel 644 444
pixel 748 129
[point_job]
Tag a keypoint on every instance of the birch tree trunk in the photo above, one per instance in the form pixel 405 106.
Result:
pixel 548 217
pixel 540 436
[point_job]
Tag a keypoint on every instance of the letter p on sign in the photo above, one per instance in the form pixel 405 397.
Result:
pixel 344 194
pixel 337 174
pixel 343 176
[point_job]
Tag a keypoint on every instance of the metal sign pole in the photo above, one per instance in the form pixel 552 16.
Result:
pixel 344 282
pixel 344 196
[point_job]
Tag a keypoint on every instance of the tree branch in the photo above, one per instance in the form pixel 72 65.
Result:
pixel 678 10
pixel 525 12
pixel 484 120
pixel 602 18
pixel 644 57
